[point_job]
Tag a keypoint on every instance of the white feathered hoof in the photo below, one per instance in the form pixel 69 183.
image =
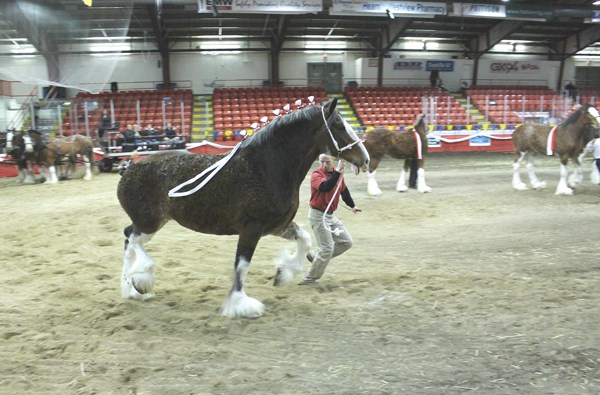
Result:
pixel 539 185
pixel 283 276
pixel 564 191
pixel 240 305
pixel 424 189
pixel 401 188
pixel 519 186
pixel 131 291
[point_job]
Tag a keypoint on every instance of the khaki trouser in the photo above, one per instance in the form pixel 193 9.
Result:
pixel 328 244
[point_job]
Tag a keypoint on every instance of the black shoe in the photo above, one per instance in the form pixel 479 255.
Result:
pixel 310 257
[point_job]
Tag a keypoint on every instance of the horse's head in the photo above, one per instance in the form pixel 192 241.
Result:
pixel 592 117
pixel 343 141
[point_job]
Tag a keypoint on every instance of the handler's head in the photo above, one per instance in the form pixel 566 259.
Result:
pixel 326 162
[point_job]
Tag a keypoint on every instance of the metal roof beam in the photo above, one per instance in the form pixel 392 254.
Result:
pixel 575 43
pixel 487 40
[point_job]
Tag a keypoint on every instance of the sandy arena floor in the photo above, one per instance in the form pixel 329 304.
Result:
pixel 473 288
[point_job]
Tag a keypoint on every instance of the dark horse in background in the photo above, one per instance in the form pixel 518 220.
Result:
pixel 254 194
pixel 398 145
pixel 20 145
pixel 566 141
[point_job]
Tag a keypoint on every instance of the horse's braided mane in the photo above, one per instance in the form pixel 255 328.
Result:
pixel 576 115
pixel 283 122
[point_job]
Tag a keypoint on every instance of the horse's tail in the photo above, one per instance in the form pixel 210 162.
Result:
pixel 125 164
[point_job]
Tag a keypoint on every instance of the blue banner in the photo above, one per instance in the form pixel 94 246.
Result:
pixel 439 65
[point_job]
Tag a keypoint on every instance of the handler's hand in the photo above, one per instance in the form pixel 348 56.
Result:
pixel 356 210
pixel 340 167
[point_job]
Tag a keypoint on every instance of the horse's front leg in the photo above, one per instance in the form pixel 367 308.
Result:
pixel 563 188
pixel 238 304
pixel 577 176
pixel 289 264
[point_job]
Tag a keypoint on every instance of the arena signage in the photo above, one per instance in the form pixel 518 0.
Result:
pixel 381 8
pixel 439 65
pixel 479 10
pixel 515 67
pixel 261 6
pixel 404 65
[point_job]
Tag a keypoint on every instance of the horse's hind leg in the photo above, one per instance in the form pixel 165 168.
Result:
pixel 137 278
pixel 421 184
pixel 88 167
pixel 372 187
pixel 401 185
pixel 533 180
pixel 516 180
pixel 289 264
pixel 238 304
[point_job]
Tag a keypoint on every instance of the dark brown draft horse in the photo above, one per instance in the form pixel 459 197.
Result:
pixel 20 145
pixel 255 193
pixel 398 145
pixel 566 141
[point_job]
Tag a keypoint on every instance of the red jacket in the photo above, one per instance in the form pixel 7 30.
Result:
pixel 322 188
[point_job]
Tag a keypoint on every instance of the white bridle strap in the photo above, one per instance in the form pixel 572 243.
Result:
pixel 337 147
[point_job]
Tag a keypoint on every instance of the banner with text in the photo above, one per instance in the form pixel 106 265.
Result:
pixel 381 8
pixel 261 6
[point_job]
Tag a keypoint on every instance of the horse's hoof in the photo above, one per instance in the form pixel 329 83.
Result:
pixel 520 187
pixel 425 190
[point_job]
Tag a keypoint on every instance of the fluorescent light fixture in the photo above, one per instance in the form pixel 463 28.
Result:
pixel 110 48
pixel 220 46
pixel 25 49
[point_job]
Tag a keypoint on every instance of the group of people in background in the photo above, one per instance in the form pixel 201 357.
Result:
pixel 149 137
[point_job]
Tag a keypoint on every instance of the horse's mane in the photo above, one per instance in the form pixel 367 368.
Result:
pixel 576 115
pixel 284 122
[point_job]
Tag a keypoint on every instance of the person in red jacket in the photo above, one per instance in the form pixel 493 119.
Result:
pixel 333 239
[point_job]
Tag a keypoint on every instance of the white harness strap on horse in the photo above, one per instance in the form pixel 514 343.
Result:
pixel 337 147
pixel 419 145
pixel 213 170
pixel 551 143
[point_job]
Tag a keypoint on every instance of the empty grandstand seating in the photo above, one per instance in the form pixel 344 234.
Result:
pixel 238 108
pixel 506 104
pixel 399 106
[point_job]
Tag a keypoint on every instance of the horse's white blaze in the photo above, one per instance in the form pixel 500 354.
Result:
pixel 289 264
pixel 238 304
pixel 354 137
pixel 28 144
pixel 9 137
pixel 401 185
pixel 593 112
pixel 372 186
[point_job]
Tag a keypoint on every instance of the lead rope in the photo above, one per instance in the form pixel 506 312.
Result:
pixel 335 231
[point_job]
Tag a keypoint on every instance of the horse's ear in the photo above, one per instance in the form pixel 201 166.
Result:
pixel 330 105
